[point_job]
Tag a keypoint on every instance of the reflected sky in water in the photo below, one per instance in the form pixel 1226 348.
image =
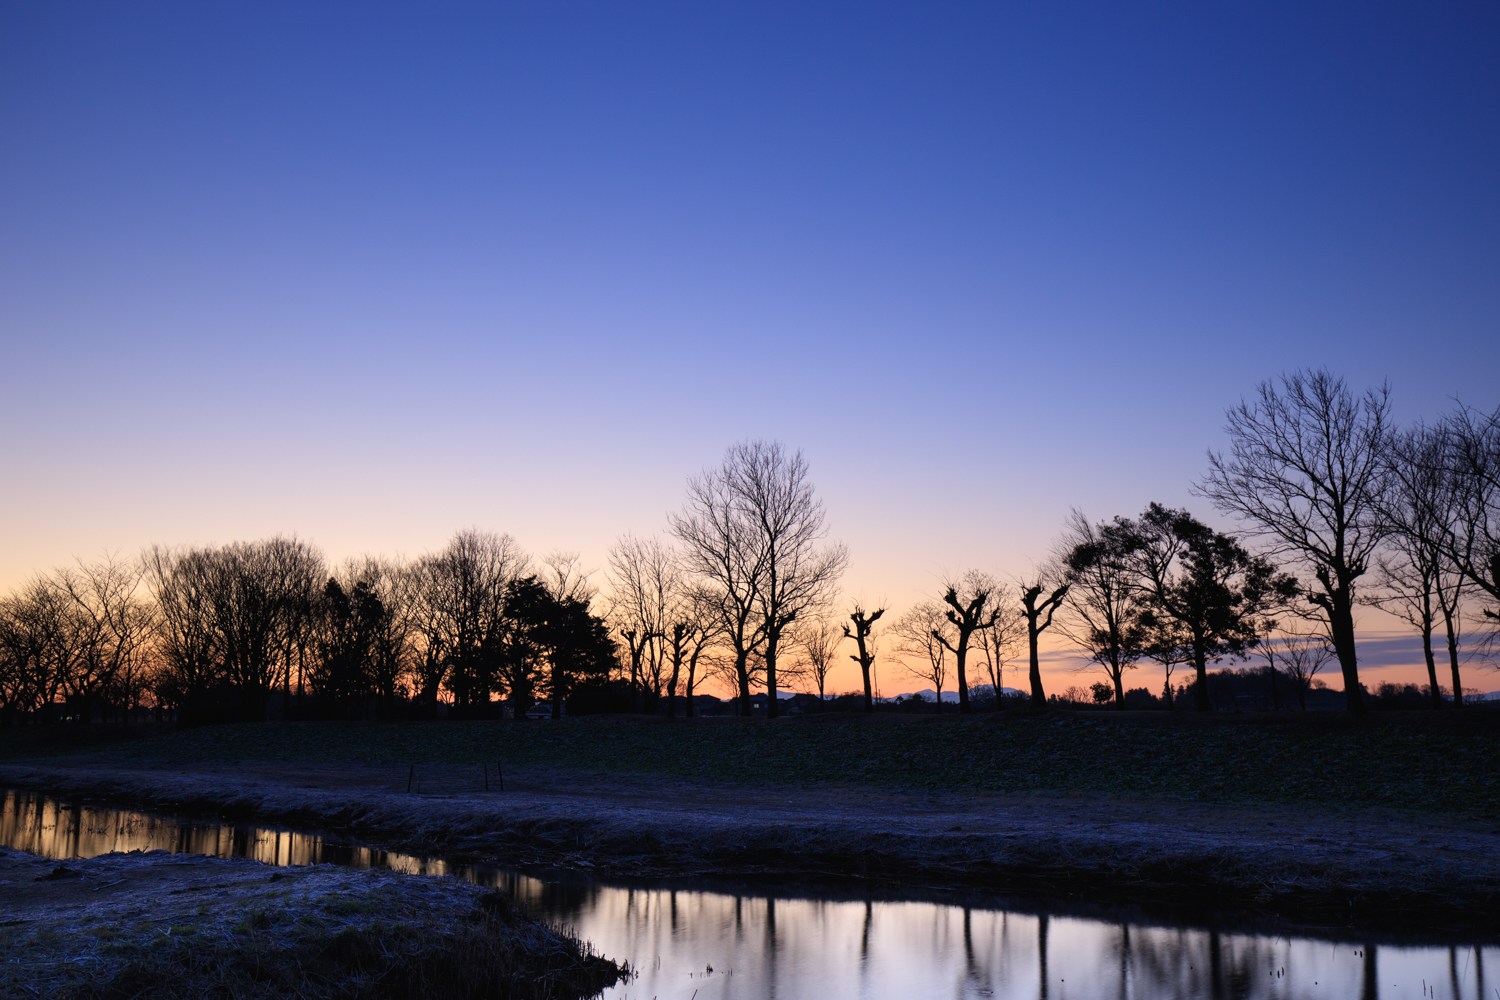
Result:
pixel 708 945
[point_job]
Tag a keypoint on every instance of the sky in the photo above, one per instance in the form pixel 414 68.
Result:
pixel 372 273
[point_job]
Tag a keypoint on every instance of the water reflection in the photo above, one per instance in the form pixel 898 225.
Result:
pixel 690 944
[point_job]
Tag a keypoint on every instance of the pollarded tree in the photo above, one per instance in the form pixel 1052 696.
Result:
pixel 1201 588
pixel 1105 598
pixel 973 605
pixel 1307 469
pixel 1041 596
pixel 864 641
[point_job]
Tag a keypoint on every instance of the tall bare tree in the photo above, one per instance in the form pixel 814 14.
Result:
pixel 460 616
pixel 188 638
pixel 107 627
pixel 645 580
pixel 720 547
pixel 799 574
pixel 1472 441
pixel 926 636
pixel 1419 580
pixel 1306 469
pixel 864 641
pixel 752 531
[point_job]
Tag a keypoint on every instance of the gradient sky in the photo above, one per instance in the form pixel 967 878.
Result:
pixel 372 273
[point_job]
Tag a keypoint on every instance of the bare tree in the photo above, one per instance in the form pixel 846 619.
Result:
pixel 926 635
pixel 37 628
pixel 972 606
pixel 1104 599
pixel 459 615
pixel 708 624
pixel 1041 596
pixel 798 573
pixel 644 583
pixel 1302 656
pixel 1307 470
pixel 864 640
pixel 188 638
pixel 111 629
pixel 1001 640
pixel 721 548
pixel 258 594
pixel 820 640
pixel 1419 580
pixel 1472 443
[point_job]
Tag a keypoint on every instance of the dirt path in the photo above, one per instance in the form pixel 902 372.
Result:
pixel 1339 869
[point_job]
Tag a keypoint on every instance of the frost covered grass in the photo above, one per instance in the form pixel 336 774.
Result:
pixel 162 926
pixel 1421 762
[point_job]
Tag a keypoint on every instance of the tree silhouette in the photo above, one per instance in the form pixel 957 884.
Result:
pixel 973 606
pixel 1040 599
pixel 1104 598
pixel 1201 588
pixel 1307 469
pixel 864 625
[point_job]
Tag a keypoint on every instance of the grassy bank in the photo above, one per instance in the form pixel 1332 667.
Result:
pixel 1425 762
pixel 166 927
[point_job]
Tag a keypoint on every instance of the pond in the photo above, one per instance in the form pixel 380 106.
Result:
pixel 713 942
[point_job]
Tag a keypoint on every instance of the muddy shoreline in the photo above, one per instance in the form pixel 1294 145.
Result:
pixel 1274 866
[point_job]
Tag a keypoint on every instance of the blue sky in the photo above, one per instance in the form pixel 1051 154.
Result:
pixel 371 273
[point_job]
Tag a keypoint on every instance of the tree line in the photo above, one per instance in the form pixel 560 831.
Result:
pixel 1337 508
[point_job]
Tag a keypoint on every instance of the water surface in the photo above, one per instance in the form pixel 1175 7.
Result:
pixel 690 943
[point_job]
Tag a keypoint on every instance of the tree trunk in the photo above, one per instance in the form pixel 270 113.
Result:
pixel 1341 625
pixel 744 678
pixel 1432 683
pixel 672 686
pixel 959 655
pixel 687 708
pixel 1200 667
pixel 772 640
pixel 1458 691
pixel 1038 696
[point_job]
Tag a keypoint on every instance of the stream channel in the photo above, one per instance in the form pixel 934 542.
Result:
pixel 790 942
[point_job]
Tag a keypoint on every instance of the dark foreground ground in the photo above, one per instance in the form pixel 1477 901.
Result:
pixel 1313 822
pixel 158 925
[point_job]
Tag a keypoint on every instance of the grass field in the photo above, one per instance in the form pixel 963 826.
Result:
pixel 1421 763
